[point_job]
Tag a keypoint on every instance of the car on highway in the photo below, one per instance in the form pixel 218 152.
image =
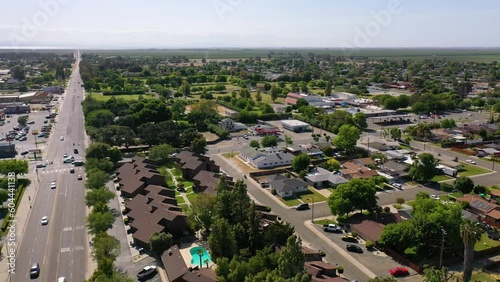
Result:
pixel 146 272
pixel 399 271
pixel 80 177
pixel 75 151
pixel 302 207
pixel 72 170
pixel 354 249
pixel 53 185
pixel 69 160
pixel 41 165
pixel 61 279
pixel 349 238
pixel 34 271
pixel 61 138
pixel 470 162
pixel 65 155
pixel 45 220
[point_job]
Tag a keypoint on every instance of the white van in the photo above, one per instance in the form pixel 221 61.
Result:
pixel 61 279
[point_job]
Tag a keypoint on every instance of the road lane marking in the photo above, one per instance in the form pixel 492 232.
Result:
pixel 67 229
pixel 65 250
pixel 79 227
pixel 78 248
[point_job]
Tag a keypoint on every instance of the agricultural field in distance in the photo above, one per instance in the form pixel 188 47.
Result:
pixel 465 55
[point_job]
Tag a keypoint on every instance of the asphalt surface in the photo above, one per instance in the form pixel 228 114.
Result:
pixel 61 247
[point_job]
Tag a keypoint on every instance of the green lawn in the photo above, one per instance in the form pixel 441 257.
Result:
pixel 485 243
pixel 457 194
pixel 184 207
pixel 191 196
pixel 189 190
pixel 291 202
pixel 100 97
pixel 404 147
pixel 470 170
pixel 180 200
pixel 176 171
pixel 325 221
pixel 440 177
pixel 188 184
pixel 311 196
pixel 483 277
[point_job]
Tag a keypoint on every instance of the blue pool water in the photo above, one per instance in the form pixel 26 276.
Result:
pixel 195 257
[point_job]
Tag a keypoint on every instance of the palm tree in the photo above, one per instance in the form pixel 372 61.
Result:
pixel 206 262
pixel 471 233
pixel 200 253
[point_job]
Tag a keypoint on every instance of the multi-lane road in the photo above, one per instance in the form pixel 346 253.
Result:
pixel 61 247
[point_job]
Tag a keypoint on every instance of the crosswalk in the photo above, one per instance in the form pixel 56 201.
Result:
pixel 54 170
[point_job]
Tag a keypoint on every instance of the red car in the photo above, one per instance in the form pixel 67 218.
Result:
pixel 399 271
pixel 79 177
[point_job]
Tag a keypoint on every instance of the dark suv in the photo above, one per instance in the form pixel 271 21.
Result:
pixel 75 151
pixel 34 271
pixel 302 207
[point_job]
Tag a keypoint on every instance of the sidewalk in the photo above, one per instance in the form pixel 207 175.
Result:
pixel 22 215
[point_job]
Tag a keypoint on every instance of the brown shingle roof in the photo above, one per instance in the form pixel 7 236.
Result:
pixel 494 214
pixel 174 264
pixel 208 180
pixel 366 161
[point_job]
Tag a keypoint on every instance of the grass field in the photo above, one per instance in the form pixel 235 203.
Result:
pixel 485 243
pixel 125 97
pixel 470 170
pixel 440 177
pixel 311 196
pixel 462 54
pixel 325 221
pixel 291 202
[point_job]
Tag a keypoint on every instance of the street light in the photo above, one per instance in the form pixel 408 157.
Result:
pixel 312 209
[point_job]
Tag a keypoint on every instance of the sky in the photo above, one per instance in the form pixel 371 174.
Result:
pixel 127 24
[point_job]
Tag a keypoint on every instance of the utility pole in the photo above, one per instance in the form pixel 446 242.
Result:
pixel 442 249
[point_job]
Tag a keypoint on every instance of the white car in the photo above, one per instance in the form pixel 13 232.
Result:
pixel 65 155
pixel 53 185
pixel 397 185
pixel 470 162
pixel 62 138
pixel 45 220
pixel 434 197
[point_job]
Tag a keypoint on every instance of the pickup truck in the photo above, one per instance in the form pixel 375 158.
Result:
pixel 332 228
pixel 146 272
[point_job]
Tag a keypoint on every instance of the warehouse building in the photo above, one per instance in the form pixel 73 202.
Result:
pixel 295 125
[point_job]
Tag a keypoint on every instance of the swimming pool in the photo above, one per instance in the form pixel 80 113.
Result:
pixel 195 257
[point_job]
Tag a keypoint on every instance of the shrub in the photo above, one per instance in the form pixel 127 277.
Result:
pixel 340 269
pixel 400 201
pixel 219 131
pixel 369 244
pixel 387 209
pixel 273 191
pixel 397 206
pixel 446 187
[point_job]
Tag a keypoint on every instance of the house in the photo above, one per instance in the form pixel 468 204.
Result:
pixel 364 162
pixel 321 271
pixel 177 270
pixel 154 211
pixel 306 149
pixel 383 146
pixel 191 164
pixel 320 178
pixel 231 125
pixel 266 158
pixel 205 182
pixel 133 177
pixel 487 152
pixel 395 168
pixel 487 210
pixel 288 187
pixel 352 170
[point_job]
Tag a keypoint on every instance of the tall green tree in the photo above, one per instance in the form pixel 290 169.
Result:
pixel 222 241
pixel 98 223
pixel 269 141
pixel 160 242
pixel 185 88
pixel 347 137
pixel 464 184
pixel 96 178
pixel 18 167
pixel 100 195
pixel 202 210
pixel 301 162
pixel 258 96
pixel 433 274
pixel 360 121
pixel 291 260
pixel 423 167
pixel 357 194
pixel 328 89
pixel 274 92
pixel 105 246
pixel 471 233
pixel 161 153
pixel 199 145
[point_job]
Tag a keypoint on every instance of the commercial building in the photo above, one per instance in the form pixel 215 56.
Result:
pixel 267 158
pixel 7 150
pixel 294 125
pixel 263 130
pixel 10 108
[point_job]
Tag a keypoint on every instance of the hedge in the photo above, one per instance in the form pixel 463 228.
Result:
pixel 17 197
pixel 223 134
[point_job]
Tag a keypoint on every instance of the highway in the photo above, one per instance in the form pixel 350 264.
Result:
pixel 61 247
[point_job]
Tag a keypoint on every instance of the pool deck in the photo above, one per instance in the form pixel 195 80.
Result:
pixel 186 255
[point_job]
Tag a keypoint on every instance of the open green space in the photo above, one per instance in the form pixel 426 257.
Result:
pixel 440 177
pixel 125 97
pixel 485 243
pixel 291 201
pixel 176 171
pixel 188 184
pixel 311 196
pixel 180 200
pixel 470 170
pixel 191 196
pixel 460 55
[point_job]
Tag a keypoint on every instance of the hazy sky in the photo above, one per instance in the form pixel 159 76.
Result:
pixel 249 23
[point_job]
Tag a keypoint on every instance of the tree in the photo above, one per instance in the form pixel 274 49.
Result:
pixel 328 89
pixel 199 145
pixel 433 274
pixel 448 123
pixel 222 240
pixel 22 120
pixel 269 141
pixel 99 118
pixel 331 164
pixel 96 179
pixel 105 246
pixel 291 260
pixel 258 96
pixel 464 184
pixel 383 279
pixel 4 196
pixel 202 210
pixel 17 72
pixel 471 233
pixel 395 133
pixel 98 222
pixel 423 167
pixel 100 195
pixel 301 162
pixel 357 194
pixel 274 92
pixel 103 151
pixel 347 137
pixel 360 121
pixel 161 153
pixel 288 140
pixel 13 166
pixel 185 88
pixel 254 144
pixel 277 233
pixel 160 242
